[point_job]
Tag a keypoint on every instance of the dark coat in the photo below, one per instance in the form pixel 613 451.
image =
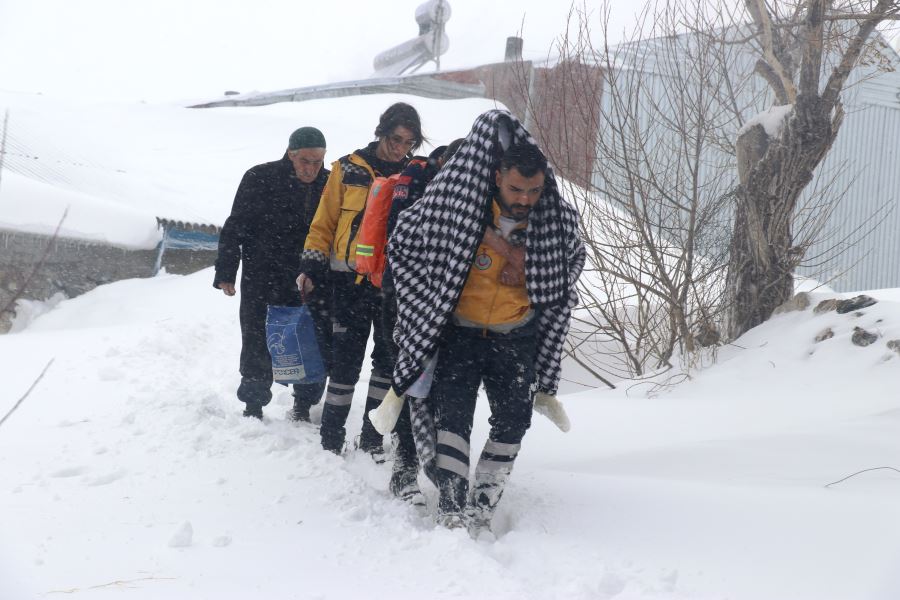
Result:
pixel 267 229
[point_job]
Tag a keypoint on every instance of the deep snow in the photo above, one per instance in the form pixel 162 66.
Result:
pixel 714 489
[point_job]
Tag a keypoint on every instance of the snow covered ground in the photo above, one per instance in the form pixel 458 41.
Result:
pixel 129 470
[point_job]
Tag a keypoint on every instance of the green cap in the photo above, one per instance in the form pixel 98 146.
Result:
pixel 306 137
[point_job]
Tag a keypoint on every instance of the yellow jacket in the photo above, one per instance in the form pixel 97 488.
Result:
pixel 485 302
pixel 334 227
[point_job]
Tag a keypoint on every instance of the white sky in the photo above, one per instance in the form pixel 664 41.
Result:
pixel 176 50
pixel 184 49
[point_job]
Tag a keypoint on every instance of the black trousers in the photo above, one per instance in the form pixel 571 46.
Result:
pixel 256 363
pixel 403 434
pixel 356 311
pixel 505 365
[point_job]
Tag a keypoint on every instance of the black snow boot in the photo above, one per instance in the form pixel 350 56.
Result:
pixel 253 409
pixel 300 411
pixel 304 397
pixel 452 492
pixel 405 486
pixel 372 447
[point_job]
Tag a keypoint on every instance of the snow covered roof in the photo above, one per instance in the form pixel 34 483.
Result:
pixel 118 167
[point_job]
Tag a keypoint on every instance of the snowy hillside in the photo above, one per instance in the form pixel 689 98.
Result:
pixel 118 166
pixel 129 470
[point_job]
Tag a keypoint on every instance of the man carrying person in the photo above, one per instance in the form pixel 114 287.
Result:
pixel 269 221
pixel 491 325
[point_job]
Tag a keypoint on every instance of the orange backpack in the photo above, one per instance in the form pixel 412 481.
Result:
pixel 371 242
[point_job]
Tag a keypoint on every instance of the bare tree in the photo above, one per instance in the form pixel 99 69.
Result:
pixel 807 49
pixel 693 213
pixel 656 206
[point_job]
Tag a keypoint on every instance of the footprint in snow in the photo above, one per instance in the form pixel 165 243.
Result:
pixel 183 536
pixel 105 479
pixel 69 472
pixel 110 373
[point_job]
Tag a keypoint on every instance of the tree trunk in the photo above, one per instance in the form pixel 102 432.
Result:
pixel 759 277
pixel 763 258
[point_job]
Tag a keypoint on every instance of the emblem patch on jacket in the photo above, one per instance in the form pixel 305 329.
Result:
pixel 483 261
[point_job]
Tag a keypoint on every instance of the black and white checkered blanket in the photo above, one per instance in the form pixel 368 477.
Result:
pixel 435 241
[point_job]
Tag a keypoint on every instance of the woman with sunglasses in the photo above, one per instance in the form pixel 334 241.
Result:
pixel 330 249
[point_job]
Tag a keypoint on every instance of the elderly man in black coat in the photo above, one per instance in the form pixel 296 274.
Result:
pixel 269 221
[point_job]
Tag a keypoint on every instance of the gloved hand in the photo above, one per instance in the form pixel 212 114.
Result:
pixel 547 405
pixel 304 283
pixel 385 416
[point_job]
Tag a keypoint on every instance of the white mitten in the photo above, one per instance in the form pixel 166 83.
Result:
pixel 385 416
pixel 547 405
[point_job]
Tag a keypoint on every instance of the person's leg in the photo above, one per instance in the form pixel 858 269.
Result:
pixel 406 464
pixel 255 389
pixel 404 474
pixel 305 396
pixel 508 383
pixel 350 332
pixel 421 415
pixel 382 368
pixel 388 322
pixel 454 393
pixel 319 303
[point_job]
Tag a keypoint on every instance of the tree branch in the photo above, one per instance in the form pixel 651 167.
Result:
pixel 851 55
pixel 771 48
pixel 811 65
pixel 25 395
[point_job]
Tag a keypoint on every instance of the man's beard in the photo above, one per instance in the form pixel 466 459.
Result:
pixel 517 212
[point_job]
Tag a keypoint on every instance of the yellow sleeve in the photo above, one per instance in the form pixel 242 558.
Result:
pixel 324 223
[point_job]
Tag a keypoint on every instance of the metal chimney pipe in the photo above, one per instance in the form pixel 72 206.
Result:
pixel 513 49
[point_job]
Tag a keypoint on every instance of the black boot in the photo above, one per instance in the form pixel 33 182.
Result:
pixel 372 447
pixel 404 485
pixel 369 439
pixel 253 409
pixel 304 397
pixel 452 492
pixel 300 411
pixel 332 430
pixel 254 393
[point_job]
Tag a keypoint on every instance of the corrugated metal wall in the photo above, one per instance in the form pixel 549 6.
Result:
pixel 866 223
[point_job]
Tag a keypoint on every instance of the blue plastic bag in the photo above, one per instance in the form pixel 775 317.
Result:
pixel 291 338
